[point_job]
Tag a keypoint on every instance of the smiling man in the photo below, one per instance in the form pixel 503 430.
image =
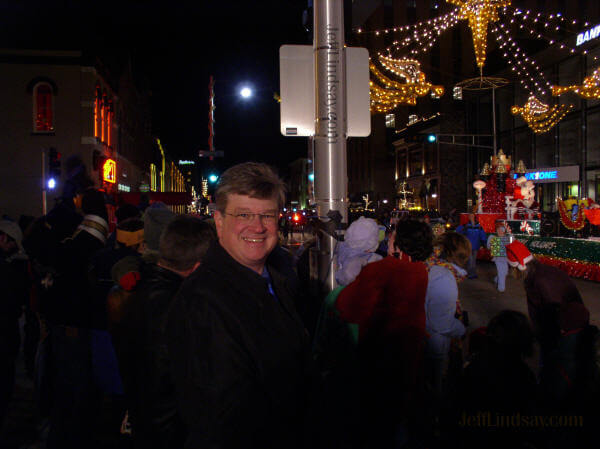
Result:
pixel 239 352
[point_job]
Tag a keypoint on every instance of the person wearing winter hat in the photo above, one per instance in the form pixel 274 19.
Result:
pixel 548 290
pixel 156 218
pixel 11 237
pixel 357 249
pixel 13 278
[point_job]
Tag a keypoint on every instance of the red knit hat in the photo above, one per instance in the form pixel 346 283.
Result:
pixel 518 255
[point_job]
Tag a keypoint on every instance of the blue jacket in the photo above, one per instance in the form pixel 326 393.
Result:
pixel 474 233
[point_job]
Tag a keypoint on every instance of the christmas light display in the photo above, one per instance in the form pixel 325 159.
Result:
pixel 539 116
pixel 590 89
pixel 479 13
pixel 500 17
pixel 574 225
pixel 389 94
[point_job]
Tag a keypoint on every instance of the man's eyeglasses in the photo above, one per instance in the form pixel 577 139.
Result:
pixel 247 217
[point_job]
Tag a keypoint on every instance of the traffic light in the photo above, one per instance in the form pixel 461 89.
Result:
pixel 431 138
pixel 213 178
pixel 53 168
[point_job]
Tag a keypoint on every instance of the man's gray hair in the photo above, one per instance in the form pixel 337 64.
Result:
pixel 253 179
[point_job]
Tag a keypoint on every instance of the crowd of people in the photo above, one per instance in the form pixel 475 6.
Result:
pixel 197 333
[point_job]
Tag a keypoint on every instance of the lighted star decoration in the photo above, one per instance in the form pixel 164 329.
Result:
pixel 539 116
pixel 479 13
pixel 387 94
pixel 590 89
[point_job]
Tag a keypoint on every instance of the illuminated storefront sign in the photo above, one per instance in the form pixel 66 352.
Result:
pixel 588 35
pixel 186 162
pixel 123 188
pixel 109 171
pixel 537 175
pixel 552 174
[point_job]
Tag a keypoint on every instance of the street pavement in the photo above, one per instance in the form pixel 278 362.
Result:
pixel 483 301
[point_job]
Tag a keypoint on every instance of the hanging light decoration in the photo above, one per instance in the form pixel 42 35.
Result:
pixel 389 94
pixel 539 116
pixel 590 89
pixel 479 13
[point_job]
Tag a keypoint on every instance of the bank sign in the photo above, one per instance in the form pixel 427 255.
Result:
pixel 588 35
pixel 552 174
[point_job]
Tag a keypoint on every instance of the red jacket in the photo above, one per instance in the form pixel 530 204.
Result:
pixel 387 301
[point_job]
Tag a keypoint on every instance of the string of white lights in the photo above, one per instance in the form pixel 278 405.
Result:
pixel 422 41
pixel 560 21
pixel 519 61
pixel 407 28
pixel 551 40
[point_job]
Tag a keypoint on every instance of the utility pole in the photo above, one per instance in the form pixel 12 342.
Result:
pixel 330 168
pixel 44 206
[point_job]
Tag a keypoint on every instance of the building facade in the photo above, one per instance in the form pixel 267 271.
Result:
pixel 63 101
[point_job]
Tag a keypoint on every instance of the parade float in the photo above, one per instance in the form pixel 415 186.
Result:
pixel 505 193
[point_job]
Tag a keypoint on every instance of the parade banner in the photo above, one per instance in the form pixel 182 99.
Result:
pixel 578 257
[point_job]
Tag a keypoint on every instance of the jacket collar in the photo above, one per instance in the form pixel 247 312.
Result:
pixel 220 262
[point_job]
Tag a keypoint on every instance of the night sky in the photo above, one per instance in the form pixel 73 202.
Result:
pixel 175 46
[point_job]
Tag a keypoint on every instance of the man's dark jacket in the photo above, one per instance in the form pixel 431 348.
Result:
pixel 240 357
pixel 141 345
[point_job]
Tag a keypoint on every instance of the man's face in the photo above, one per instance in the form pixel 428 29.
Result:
pixel 248 241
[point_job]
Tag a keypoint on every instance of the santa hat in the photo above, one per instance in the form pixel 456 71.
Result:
pixel 518 255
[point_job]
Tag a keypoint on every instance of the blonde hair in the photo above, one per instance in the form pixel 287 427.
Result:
pixel 454 248
pixel 256 180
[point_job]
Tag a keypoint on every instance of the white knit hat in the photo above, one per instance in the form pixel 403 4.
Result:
pixel 363 234
pixel 13 230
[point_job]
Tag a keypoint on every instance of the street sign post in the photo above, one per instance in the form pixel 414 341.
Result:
pixel 325 93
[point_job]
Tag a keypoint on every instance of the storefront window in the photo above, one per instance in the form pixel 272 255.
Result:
pixel 415 162
pixel 402 165
pixel 430 158
pixel 593 139
pixel 523 147
pixel 569 142
pixel 544 150
pixel 569 73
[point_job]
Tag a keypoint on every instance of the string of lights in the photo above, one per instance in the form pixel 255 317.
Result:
pixel 542 18
pixel 540 117
pixel 519 61
pixel 547 26
pixel 422 39
pixel 429 23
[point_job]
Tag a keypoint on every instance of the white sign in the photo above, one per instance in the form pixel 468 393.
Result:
pixel 588 35
pixel 186 162
pixel 297 91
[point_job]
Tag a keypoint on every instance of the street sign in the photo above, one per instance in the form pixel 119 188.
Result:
pixel 297 87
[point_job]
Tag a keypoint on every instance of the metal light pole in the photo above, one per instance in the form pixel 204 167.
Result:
pixel 330 169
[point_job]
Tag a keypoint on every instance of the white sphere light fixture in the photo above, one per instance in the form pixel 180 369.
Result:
pixel 246 92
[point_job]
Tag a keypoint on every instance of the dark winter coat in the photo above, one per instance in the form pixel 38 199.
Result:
pixel 240 357
pixel 141 345
pixel 70 299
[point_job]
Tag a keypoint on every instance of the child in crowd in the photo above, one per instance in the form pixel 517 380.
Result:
pixel 357 249
pixel 497 246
